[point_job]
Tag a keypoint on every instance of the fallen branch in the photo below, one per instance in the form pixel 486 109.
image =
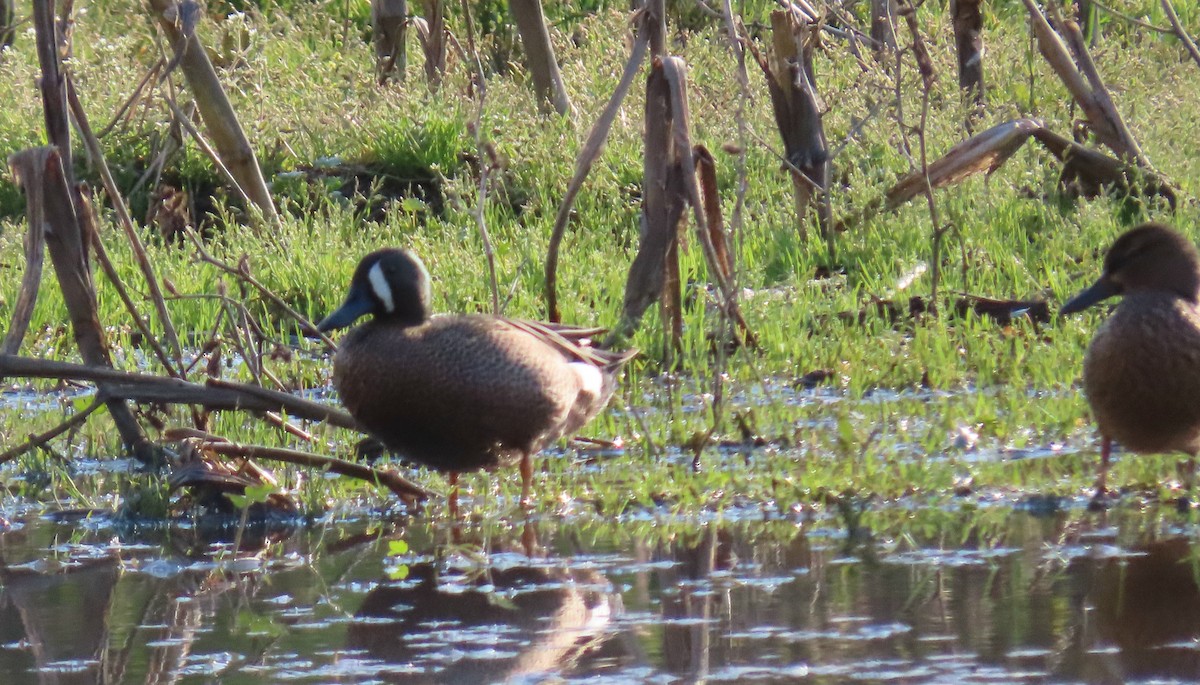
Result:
pixel 401 487
pixel 218 395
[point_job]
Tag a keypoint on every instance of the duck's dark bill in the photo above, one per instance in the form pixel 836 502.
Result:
pixel 1100 290
pixel 358 304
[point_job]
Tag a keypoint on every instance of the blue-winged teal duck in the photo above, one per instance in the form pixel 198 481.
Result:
pixel 1142 370
pixel 457 393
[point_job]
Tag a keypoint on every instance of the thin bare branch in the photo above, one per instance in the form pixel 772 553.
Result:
pixel 1181 32
pixel 583 165
pixel 40 439
pixel 401 487
pixel 92 143
pixel 242 273
pixel 149 388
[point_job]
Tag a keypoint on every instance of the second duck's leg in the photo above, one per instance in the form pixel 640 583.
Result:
pixel 1100 499
pixel 526 479
pixel 1189 481
pixel 453 498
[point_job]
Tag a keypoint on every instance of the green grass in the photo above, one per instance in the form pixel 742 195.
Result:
pixel 888 422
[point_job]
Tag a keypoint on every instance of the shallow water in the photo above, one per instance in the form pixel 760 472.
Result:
pixel 949 593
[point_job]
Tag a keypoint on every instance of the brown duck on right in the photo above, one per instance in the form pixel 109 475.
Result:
pixel 1142 370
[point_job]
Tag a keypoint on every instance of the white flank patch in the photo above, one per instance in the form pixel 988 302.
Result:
pixel 382 290
pixel 589 377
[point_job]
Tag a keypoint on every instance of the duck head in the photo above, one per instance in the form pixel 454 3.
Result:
pixel 390 284
pixel 1149 258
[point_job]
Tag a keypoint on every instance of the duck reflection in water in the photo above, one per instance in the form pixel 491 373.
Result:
pixel 521 617
pixel 1148 606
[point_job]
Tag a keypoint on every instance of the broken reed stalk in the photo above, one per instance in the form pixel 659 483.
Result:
pixel 401 487
pixel 539 55
pixel 669 186
pixel 24 164
pixel 7 23
pixel 798 111
pixel 389 29
pixel 967 19
pixel 434 42
pixel 178 23
pixel 1078 73
pixel 706 173
pixel 1181 32
pixel 588 156
pixel 654 273
pixel 883 30
pixel 63 231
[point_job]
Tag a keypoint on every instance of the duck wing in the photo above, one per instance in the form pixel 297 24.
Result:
pixel 575 342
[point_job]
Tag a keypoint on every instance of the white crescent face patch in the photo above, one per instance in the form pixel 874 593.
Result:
pixel 380 287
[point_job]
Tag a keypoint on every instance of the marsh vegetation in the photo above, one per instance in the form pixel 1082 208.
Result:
pixel 904 389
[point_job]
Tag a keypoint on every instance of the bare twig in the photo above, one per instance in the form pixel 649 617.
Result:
pixel 40 439
pixel 242 273
pixel 488 160
pixel 207 149
pixel 1129 18
pixel 928 78
pixel 1181 32
pixel 88 218
pixel 137 93
pixel 587 157
pixel 401 487
pixel 114 196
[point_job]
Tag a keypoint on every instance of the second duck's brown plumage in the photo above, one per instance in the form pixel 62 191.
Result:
pixel 1142 370
pixel 458 393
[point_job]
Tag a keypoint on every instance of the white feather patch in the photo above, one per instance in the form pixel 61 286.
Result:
pixel 590 378
pixel 382 290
